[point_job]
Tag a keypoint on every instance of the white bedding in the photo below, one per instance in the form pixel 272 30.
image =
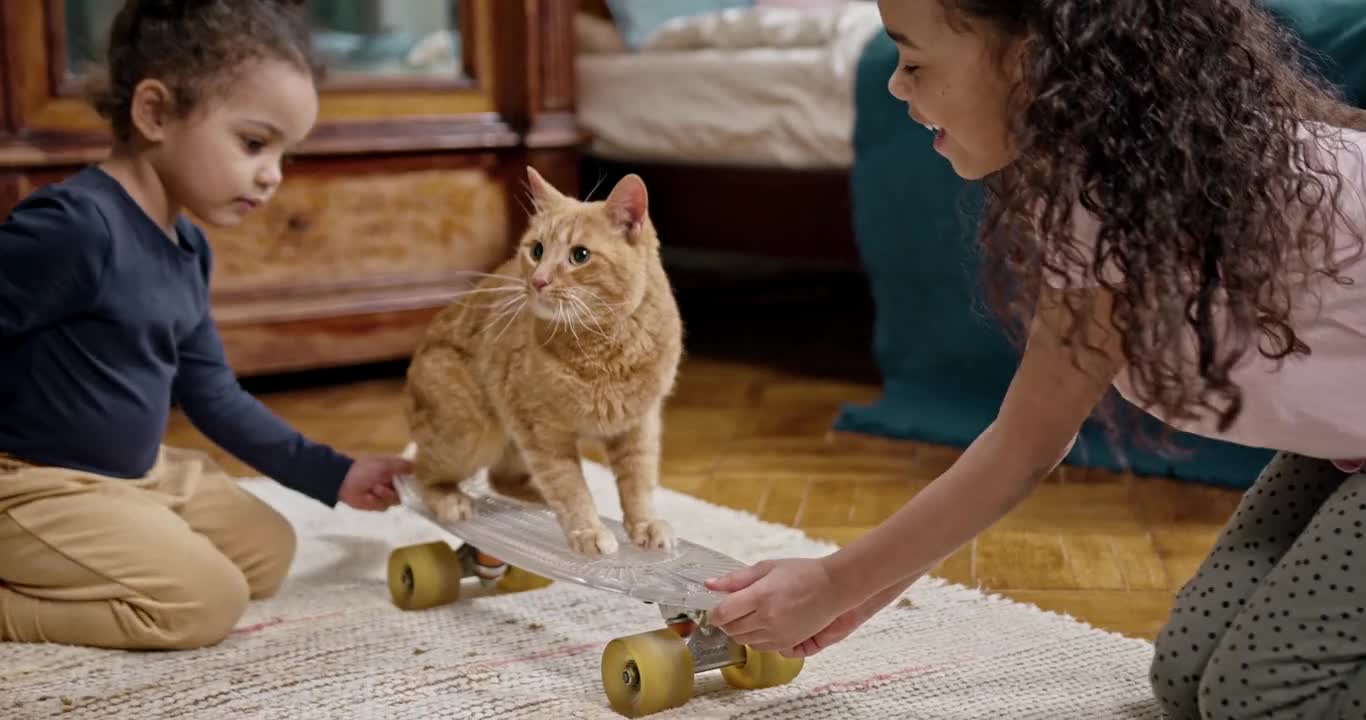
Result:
pixel 743 87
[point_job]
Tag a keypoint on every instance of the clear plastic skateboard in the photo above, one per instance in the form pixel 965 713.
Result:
pixel 516 546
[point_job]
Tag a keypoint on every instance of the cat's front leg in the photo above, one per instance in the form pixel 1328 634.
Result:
pixel 634 456
pixel 438 478
pixel 448 502
pixel 558 476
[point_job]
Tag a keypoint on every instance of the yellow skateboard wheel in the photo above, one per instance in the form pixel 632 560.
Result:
pixel 647 673
pixel 424 576
pixel 762 670
pixel 515 579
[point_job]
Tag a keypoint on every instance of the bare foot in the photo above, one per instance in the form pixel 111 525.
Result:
pixel 652 534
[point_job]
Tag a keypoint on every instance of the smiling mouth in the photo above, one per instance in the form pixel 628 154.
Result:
pixel 938 132
pixel 935 129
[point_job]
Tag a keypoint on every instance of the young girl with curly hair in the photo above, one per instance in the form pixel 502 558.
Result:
pixel 1176 207
pixel 107 538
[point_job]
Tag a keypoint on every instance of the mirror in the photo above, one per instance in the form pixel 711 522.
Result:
pixel 362 42
pixel 87 28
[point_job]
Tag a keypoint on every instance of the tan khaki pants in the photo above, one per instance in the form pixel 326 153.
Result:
pixel 167 561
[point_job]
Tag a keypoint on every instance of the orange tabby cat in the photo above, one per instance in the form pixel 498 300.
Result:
pixel 576 338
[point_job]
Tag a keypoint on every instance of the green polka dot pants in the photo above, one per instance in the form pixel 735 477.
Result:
pixel 1273 624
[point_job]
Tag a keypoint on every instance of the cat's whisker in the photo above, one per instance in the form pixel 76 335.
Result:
pixel 511 319
pixel 554 325
pixel 503 295
pixel 598 302
pixel 510 297
pixel 487 290
pixel 521 199
pixel 489 303
pixel 500 276
pixel 493 308
pixel 490 290
pixel 598 184
pixel 598 299
pixel 572 315
pixel 505 315
pixel 511 307
pixel 581 305
pixel 502 306
pixel 572 294
pixel 496 306
pixel 598 330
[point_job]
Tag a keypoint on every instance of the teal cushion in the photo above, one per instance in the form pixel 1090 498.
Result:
pixel 637 19
pixel 1334 32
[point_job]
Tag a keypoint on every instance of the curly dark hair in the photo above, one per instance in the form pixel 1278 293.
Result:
pixel 1182 128
pixel 195 47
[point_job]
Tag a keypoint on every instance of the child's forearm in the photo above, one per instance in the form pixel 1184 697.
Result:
pixel 972 495
pixel 1052 393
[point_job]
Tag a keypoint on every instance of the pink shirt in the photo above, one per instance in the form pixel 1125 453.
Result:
pixel 1314 405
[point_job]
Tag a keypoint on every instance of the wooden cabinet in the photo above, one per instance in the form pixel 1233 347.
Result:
pixel 414 175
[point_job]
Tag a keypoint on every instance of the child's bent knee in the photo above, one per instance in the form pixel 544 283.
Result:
pixel 1175 673
pixel 201 611
pixel 277 544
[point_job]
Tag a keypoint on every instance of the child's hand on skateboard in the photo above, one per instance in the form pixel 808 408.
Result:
pixel 369 484
pixel 778 604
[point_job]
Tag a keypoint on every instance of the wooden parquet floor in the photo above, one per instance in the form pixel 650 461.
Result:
pixel 749 428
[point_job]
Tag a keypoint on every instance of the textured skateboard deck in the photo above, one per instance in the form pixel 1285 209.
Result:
pixel 527 535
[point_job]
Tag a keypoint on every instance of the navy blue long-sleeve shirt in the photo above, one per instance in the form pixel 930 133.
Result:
pixel 104 322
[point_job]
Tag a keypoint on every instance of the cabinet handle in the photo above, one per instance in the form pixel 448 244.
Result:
pixel 298 223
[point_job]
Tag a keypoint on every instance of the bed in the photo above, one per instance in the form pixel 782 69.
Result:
pixel 747 112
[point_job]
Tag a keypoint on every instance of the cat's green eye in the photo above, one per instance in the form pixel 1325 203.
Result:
pixel 579 255
pixel 537 251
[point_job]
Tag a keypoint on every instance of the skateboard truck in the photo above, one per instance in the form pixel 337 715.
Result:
pixel 710 648
pixel 481 565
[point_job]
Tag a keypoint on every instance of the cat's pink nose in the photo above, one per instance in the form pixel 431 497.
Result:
pixel 540 282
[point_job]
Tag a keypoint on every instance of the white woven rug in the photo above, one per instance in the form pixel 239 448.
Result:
pixel 331 645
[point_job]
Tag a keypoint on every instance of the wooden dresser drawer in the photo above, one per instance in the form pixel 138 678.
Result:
pixel 343 223
pixel 352 258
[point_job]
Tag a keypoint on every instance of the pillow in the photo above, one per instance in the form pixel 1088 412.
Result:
pixel 596 36
pixel 637 19
pixel 801 4
pixel 763 28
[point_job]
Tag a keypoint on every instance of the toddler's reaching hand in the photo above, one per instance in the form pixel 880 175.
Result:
pixel 369 485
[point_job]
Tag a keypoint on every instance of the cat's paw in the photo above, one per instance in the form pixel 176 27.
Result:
pixel 653 534
pixel 596 540
pixel 453 506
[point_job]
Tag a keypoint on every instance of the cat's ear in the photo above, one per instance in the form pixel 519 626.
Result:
pixel 628 202
pixel 544 196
